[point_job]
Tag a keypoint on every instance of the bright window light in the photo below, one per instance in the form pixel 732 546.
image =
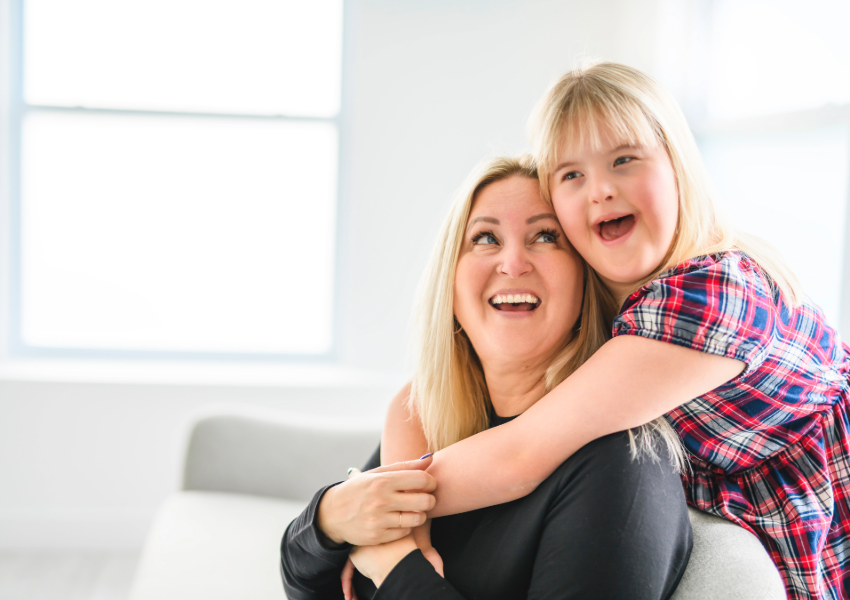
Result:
pixel 178 175
pixel 778 56
pixel 790 189
pixel 252 56
pixel 178 234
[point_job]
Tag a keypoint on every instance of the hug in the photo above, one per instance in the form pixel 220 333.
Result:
pixel 597 349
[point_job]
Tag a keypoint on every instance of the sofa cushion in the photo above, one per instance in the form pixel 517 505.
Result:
pixel 214 546
pixel 218 546
pixel 727 563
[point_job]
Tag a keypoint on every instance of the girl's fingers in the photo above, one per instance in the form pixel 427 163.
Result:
pixel 346 577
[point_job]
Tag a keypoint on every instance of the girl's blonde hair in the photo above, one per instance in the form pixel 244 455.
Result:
pixel 636 109
pixel 448 392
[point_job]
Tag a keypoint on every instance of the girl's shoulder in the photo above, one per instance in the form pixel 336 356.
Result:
pixel 720 304
pixel 730 266
pixel 703 279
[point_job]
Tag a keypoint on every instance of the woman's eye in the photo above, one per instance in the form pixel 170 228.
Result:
pixel 483 239
pixel 623 160
pixel 547 237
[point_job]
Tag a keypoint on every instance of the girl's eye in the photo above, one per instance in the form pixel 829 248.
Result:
pixel 548 236
pixel 484 238
pixel 623 160
pixel 571 175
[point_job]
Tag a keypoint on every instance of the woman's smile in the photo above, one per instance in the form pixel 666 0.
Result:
pixel 519 283
pixel 515 301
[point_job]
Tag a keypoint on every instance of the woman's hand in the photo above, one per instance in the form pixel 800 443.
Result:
pixel 376 562
pixel 378 506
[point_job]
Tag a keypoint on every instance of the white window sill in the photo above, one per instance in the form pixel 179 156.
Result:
pixel 215 373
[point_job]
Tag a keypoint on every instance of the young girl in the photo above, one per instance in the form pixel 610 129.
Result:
pixel 710 329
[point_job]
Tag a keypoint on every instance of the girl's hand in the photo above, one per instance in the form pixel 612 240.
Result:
pixel 422 537
pixel 376 562
pixel 378 506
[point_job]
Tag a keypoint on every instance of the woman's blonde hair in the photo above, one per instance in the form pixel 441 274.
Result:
pixel 448 392
pixel 636 109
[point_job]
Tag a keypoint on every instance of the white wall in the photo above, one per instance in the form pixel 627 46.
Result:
pixel 87 452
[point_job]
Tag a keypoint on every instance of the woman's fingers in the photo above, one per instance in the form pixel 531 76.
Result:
pixel 411 502
pixel 403 481
pixel 407 465
pixel 408 520
pixel 377 507
pixel 347 577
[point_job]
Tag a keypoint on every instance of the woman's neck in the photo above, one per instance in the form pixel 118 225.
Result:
pixel 513 389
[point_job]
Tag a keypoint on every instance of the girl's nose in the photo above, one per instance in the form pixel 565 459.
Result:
pixel 601 189
pixel 514 262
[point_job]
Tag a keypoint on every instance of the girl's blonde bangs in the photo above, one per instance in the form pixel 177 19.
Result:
pixel 580 113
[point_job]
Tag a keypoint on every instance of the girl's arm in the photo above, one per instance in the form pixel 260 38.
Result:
pixel 628 382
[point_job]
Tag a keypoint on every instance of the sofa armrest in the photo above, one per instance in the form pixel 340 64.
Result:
pixel 272 456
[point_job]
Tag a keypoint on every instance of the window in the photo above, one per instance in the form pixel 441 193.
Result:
pixel 776 134
pixel 174 176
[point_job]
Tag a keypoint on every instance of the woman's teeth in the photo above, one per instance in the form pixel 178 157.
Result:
pixel 515 302
pixel 514 299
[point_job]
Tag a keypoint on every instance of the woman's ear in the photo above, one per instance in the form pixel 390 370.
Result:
pixel 458 327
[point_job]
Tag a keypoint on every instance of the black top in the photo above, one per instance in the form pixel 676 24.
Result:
pixel 601 526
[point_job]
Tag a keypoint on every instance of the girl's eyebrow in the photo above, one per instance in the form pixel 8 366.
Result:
pixel 626 147
pixel 570 163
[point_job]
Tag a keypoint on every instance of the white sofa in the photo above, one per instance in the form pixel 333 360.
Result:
pixel 246 478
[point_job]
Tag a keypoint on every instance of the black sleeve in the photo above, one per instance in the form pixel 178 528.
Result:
pixel 310 563
pixel 415 579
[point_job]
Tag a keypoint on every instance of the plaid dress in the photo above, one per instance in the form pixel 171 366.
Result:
pixel 770 449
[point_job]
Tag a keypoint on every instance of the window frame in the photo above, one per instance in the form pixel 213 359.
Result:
pixel 13 111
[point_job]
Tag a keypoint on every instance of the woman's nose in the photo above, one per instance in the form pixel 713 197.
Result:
pixel 515 262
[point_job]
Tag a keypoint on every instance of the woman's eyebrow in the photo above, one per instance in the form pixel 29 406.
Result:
pixel 536 218
pixel 485 219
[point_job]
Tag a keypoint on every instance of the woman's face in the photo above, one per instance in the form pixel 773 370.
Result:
pixel 519 283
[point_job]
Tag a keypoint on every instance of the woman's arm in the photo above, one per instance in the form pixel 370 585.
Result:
pixel 630 381
pixel 403 437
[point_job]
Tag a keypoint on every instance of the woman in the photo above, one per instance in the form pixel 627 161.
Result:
pixel 507 311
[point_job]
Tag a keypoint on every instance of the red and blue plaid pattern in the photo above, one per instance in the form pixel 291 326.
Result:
pixel 770 449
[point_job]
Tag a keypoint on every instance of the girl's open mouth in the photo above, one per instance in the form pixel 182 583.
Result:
pixel 613 229
pixel 515 302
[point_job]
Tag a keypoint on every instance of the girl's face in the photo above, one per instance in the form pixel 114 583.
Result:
pixel 619 205
pixel 519 284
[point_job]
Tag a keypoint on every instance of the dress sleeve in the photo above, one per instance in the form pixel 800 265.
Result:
pixel 719 304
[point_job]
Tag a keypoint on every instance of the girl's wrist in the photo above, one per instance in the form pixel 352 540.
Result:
pixel 391 559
